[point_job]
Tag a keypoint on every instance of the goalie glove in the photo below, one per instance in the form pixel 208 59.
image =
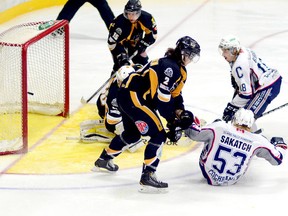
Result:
pixel 278 142
pixel 229 112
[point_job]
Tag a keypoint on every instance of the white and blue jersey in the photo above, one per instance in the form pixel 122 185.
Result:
pixel 257 84
pixel 228 150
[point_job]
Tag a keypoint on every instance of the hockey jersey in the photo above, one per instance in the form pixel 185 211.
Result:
pixel 251 74
pixel 228 150
pixel 160 85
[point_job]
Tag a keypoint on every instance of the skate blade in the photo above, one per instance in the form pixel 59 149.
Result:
pixel 98 169
pixel 152 190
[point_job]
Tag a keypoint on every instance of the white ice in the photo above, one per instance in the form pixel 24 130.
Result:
pixel 260 24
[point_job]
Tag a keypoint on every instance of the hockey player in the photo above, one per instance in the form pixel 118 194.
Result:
pixel 255 84
pixel 107 101
pixel 156 89
pixel 108 110
pixel 72 6
pixel 229 148
pixel 130 34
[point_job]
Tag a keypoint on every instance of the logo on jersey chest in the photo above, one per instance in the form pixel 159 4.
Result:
pixel 142 127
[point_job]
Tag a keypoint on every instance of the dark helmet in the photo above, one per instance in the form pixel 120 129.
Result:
pixel 188 46
pixel 133 6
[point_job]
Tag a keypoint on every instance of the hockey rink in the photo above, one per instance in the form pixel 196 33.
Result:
pixel 54 177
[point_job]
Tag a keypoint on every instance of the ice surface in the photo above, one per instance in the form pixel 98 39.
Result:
pixel 260 24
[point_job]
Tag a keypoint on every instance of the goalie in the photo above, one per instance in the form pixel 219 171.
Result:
pixel 111 119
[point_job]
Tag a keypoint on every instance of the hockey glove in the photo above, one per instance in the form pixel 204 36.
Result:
pixel 123 59
pixel 142 46
pixel 174 134
pixel 229 112
pixel 196 125
pixel 278 142
pixel 186 118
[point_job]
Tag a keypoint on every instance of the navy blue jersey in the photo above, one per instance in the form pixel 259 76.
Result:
pixel 108 107
pixel 160 85
pixel 124 35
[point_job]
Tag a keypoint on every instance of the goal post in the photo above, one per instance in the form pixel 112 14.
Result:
pixel 34 77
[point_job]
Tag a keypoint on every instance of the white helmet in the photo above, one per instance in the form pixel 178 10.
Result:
pixel 230 42
pixel 243 117
pixel 124 72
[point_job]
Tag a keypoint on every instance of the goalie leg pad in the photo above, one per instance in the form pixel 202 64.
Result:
pixel 87 124
pixel 135 146
pixel 89 130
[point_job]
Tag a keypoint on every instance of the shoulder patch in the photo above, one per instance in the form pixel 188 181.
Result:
pixel 168 72
pixel 119 31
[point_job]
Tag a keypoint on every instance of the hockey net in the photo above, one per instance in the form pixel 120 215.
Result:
pixel 34 77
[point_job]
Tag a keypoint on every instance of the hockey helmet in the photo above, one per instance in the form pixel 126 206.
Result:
pixel 133 6
pixel 231 43
pixel 189 47
pixel 137 67
pixel 123 73
pixel 243 117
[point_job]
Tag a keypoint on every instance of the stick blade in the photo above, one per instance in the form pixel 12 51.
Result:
pixel 83 101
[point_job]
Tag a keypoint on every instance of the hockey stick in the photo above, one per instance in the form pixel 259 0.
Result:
pixel 270 111
pixel 83 101
pixel 91 138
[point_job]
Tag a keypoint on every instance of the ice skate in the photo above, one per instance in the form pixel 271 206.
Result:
pixel 150 184
pixel 107 165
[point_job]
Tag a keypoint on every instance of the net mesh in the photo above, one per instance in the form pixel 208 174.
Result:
pixel 32 60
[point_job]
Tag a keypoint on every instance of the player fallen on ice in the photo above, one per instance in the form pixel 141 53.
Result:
pixel 229 148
